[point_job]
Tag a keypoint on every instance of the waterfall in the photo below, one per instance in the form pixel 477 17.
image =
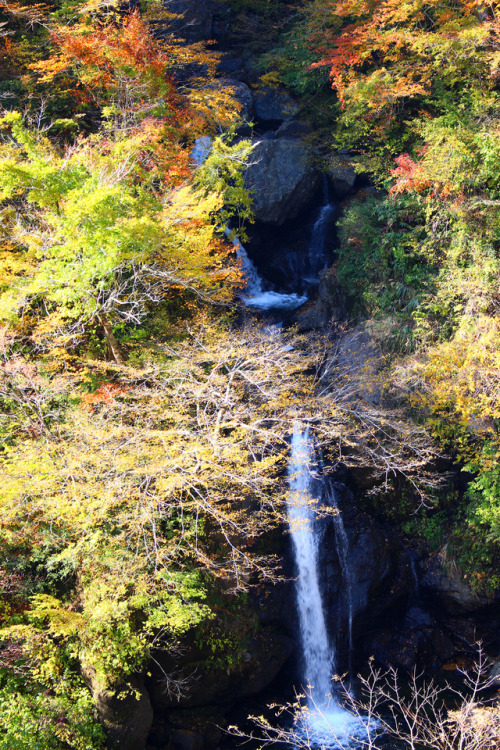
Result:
pixel 254 295
pixel 319 657
pixel 415 589
pixel 343 555
pixel 328 724
pixel 317 251
pixel 201 150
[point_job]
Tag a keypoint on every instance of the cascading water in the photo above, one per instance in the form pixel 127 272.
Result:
pixel 319 657
pixel 255 295
pixel 328 724
pixel 201 150
pixel 343 554
pixel 317 253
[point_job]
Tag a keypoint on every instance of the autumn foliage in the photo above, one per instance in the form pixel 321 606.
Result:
pixel 388 52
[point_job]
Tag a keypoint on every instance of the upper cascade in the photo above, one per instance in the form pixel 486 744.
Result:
pixel 317 254
pixel 254 295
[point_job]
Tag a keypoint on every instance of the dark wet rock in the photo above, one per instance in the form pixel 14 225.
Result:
pixel 443 582
pixel 191 20
pixel 279 253
pixel 361 355
pixel 442 644
pixel 282 179
pixel 210 683
pixel 378 575
pixel 416 618
pixel 125 713
pixel 193 729
pixel 235 89
pixel 358 352
pixel 273 105
pixel 241 92
pixel 327 308
pixel 293 129
pixel 494 674
pixel 256 639
pixel 185 740
pixel 405 649
pixel 269 135
pixel 231 66
pixel 275 606
pixel 342 174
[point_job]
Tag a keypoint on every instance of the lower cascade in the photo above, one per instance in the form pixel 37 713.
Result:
pixel 328 723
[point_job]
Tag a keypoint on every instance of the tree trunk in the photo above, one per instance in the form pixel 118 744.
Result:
pixel 113 344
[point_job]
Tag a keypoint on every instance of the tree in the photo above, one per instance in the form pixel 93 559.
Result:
pixel 103 231
pixel 387 54
pixel 412 711
pixel 90 243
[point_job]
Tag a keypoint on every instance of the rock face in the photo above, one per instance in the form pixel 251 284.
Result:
pixel 442 582
pixel 376 579
pixel 243 96
pixel 239 91
pixel 379 590
pixel 272 105
pixel 327 307
pixel 293 129
pixel 126 720
pixel 415 640
pixel 282 179
pixel 208 684
pixel 235 659
pixel 494 674
pixel 342 175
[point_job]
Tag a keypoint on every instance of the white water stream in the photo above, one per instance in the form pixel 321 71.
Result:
pixel 255 295
pixel 328 724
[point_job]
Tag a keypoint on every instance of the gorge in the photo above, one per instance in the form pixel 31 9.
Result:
pixel 249 358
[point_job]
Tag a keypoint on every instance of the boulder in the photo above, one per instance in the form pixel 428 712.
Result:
pixel 231 66
pixel 293 129
pixel 125 712
pixel 494 675
pixel 241 92
pixel 186 740
pixel 443 583
pixel 328 306
pixel 282 179
pixel 342 174
pixel 404 646
pixel 274 105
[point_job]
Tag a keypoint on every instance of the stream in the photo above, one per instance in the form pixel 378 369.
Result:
pixel 258 294
pixel 344 563
pixel 326 723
